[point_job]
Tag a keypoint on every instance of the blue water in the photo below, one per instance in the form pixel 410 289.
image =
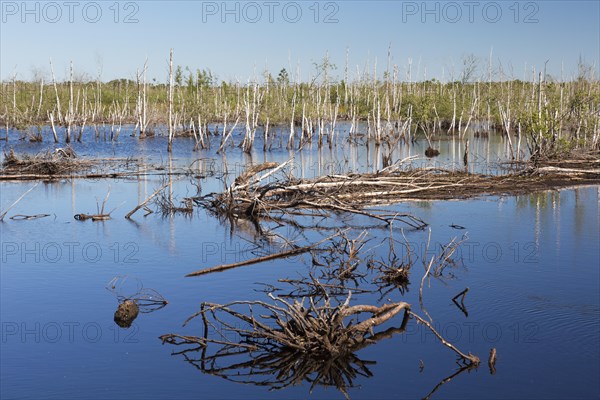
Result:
pixel 531 264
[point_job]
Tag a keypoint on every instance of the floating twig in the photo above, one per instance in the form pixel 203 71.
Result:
pixel 22 217
pixel 17 201
pixel 470 358
pixel 282 254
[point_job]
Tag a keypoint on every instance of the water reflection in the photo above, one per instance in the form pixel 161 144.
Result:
pixel 556 292
pixel 345 156
pixel 279 368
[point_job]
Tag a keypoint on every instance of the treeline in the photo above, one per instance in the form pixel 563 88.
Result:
pixel 547 111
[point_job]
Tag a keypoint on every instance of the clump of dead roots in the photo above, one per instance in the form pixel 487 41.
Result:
pixel 289 342
pixel 133 299
pixel 316 328
pixel 311 333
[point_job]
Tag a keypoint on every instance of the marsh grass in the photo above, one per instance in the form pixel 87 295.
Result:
pixel 547 115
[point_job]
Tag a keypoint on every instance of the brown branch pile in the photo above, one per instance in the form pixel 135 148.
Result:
pixel 353 193
pixel 321 330
pixel 57 162
pixel 394 271
pixel 289 342
pixel 64 163
pixel 167 205
pixel 248 198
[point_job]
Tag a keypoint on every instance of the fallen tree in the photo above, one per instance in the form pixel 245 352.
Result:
pixel 354 193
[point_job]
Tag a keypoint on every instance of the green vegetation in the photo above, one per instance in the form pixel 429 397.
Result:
pixel 554 116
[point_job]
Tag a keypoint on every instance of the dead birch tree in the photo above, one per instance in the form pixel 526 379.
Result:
pixel 170 94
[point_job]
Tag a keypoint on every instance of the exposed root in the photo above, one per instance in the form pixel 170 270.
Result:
pixel 126 313
pixel 310 334
pixel 133 299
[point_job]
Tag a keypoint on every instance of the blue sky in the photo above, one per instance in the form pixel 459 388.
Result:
pixel 237 40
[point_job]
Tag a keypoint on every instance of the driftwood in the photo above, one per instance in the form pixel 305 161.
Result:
pixel 57 162
pixel 167 206
pixel 143 204
pixel 250 172
pixel 100 214
pixel 395 270
pixel 282 254
pixel 23 217
pixel 337 193
pixel 469 358
pixel 309 342
pixel 568 171
pixel 106 175
pixel 461 306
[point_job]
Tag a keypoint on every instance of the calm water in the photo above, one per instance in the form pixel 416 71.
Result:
pixel 531 263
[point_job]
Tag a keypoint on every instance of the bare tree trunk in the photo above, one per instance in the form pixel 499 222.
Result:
pixel 56 93
pixel 41 98
pixel 170 145
pixel 453 123
pixel 70 118
pixel 51 117
pixel 290 144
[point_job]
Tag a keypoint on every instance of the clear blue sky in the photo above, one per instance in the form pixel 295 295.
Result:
pixel 272 35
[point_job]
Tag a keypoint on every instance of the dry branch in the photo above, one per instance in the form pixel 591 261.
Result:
pixel 16 202
pixel 142 204
pixel 304 337
pixel 317 329
pixel 470 358
pixel 282 254
pixel 250 172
